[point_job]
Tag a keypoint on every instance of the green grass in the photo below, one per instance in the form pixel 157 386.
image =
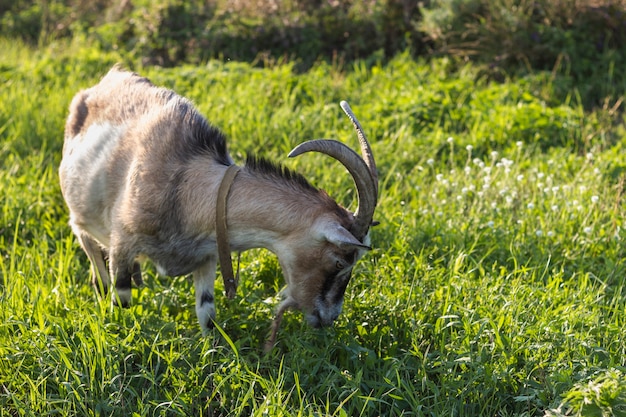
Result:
pixel 496 286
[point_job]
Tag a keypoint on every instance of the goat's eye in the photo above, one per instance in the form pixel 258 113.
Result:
pixel 339 265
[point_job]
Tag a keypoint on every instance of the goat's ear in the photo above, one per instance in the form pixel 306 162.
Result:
pixel 342 238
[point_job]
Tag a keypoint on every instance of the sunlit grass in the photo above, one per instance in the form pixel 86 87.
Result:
pixel 496 284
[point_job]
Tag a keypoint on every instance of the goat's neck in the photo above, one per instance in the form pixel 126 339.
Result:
pixel 262 211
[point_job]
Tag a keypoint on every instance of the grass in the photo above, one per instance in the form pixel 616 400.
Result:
pixel 496 286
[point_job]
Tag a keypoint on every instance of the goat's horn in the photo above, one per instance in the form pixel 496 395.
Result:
pixel 366 150
pixel 363 171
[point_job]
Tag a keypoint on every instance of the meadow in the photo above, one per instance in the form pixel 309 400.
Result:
pixel 496 286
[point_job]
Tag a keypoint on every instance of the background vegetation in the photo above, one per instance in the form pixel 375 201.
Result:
pixel 584 40
pixel 497 282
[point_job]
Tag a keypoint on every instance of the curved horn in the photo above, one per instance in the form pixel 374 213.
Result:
pixel 363 171
pixel 366 150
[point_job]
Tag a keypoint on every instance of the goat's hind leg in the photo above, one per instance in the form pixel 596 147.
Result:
pixel 124 270
pixel 99 274
pixel 136 275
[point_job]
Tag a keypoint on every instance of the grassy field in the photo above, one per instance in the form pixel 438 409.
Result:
pixel 496 286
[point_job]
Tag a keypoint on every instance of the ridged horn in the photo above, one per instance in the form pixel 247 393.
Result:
pixel 366 150
pixel 363 171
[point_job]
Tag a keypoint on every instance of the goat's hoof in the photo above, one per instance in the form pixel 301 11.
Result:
pixel 121 297
pixel 121 303
pixel 210 325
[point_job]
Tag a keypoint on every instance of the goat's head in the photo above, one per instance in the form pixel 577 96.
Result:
pixel 319 272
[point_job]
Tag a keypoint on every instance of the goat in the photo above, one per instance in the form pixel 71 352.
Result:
pixel 141 172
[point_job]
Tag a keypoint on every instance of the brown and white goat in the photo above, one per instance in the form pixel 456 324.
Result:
pixel 140 173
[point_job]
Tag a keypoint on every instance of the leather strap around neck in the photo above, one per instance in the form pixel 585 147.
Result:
pixel 223 245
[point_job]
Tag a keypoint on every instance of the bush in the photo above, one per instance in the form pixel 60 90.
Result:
pixel 166 32
pixel 582 39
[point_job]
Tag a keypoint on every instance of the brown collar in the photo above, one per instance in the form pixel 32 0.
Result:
pixel 223 246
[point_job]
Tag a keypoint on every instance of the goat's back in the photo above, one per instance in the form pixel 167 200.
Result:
pixel 127 145
pixel 154 116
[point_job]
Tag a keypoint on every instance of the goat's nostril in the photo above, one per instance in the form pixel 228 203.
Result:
pixel 314 319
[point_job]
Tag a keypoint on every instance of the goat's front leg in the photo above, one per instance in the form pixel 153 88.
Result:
pixel 204 283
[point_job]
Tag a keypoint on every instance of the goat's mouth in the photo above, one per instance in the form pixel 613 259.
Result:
pixel 314 320
pixel 319 318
